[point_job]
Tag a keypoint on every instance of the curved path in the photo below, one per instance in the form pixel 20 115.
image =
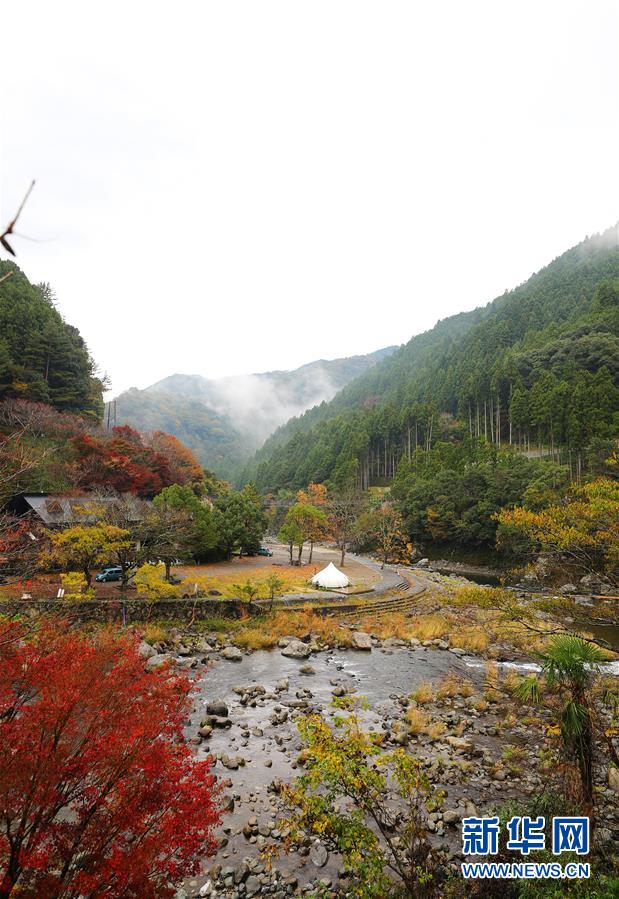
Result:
pixel 390 578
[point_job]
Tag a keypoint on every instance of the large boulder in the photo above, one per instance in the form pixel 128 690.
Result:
pixel 295 649
pixel 361 640
pixel 232 654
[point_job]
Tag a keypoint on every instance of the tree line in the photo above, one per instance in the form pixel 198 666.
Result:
pixel 536 369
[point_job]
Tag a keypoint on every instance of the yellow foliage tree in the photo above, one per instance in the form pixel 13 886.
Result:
pixel 150 582
pixel 74 587
pixel 85 546
pixel 583 530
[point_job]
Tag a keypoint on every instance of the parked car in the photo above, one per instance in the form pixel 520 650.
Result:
pixel 264 551
pixel 113 573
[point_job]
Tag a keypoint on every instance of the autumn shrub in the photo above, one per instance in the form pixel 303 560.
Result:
pixel 150 582
pixel 100 795
pixel 74 586
pixel 345 798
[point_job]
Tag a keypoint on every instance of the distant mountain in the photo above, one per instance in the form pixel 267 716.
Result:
pixel 225 420
pixel 539 363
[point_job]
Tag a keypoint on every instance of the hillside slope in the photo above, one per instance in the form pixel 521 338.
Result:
pixel 539 363
pixel 225 420
pixel 42 358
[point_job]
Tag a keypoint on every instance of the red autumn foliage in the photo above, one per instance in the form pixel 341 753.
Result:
pixel 183 464
pixel 99 794
pixel 85 455
pixel 120 463
pixel 18 549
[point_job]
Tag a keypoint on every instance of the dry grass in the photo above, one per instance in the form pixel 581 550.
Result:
pixel 224 583
pixel 305 621
pixel 511 680
pixel 453 685
pixel 424 693
pixel 397 625
pixel 419 722
pixel 491 675
pixel 435 730
pixel 467 689
pixel 430 627
pixel 449 687
pixel 472 639
pixel 154 633
pixel 254 638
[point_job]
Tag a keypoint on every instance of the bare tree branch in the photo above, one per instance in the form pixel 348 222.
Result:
pixel 11 225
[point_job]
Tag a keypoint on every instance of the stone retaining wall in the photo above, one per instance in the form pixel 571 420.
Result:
pixel 130 611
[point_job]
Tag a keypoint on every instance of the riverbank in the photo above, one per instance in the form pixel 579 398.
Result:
pixel 453 711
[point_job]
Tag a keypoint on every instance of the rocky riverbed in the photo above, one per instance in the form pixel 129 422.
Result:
pixel 481 752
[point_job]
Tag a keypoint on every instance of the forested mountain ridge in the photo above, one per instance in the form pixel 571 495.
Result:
pixel 538 363
pixel 42 358
pixel 227 419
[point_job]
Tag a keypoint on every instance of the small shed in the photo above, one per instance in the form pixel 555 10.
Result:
pixel 331 578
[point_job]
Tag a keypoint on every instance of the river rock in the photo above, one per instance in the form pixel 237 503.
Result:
pixel 146 651
pixel 452 816
pixel 459 743
pixel 157 661
pixel 319 855
pixel 307 669
pixel 295 649
pixel 219 721
pixel 360 640
pixel 217 707
pixel 253 885
pixel 593 583
pixel 232 654
pixel 613 779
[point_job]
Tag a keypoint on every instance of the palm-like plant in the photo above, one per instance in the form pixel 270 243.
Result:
pixel 571 663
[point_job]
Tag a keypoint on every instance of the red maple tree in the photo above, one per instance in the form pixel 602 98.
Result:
pixel 99 793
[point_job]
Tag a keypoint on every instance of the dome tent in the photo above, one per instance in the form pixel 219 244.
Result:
pixel 331 578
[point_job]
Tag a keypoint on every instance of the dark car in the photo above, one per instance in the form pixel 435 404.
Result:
pixel 113 573
pixel 264 551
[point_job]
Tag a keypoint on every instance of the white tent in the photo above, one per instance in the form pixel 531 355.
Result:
pixel 331 578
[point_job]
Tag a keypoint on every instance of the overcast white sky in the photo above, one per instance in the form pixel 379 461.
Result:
pixel 241 186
